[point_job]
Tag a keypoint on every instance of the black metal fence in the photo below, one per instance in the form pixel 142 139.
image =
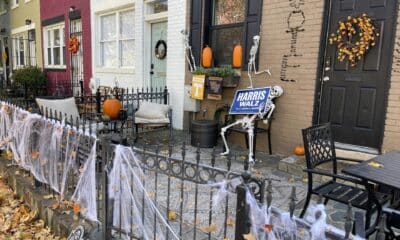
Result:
pixel 185 191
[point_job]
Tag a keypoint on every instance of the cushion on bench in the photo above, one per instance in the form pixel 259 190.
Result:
pixel 65 106
pixel 153 112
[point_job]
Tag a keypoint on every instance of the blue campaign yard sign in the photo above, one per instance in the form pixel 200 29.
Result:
pixel 248 101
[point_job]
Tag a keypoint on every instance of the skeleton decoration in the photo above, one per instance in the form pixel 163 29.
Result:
pixel 265 113
pixel 188 51
pixel 252 61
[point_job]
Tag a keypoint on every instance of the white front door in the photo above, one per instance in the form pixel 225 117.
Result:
pixel 159 55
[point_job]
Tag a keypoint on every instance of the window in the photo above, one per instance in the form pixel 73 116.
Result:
pixel 54 46
pixel 2 7
pixel 227 28
pixel 14 3
pixel 117 39
pixel 158 6
pixel 19 51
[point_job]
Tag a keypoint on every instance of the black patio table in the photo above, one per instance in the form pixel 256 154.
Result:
pixel 383 169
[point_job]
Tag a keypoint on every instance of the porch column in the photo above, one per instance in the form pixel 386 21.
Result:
pixel 176 65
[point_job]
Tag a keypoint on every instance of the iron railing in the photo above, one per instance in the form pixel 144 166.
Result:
pixel 184 190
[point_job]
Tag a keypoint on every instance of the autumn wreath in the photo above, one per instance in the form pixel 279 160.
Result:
pixel 354 38
pixel 73 45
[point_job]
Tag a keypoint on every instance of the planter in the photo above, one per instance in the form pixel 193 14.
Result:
pixel 232 81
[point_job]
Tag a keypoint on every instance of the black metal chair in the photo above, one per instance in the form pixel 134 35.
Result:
pixel 392 220
pixel 320 148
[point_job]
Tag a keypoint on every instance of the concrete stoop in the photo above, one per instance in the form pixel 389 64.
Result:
pixel 60 222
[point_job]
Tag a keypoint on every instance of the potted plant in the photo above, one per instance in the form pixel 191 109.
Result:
pixel 229 76
pixel 31 79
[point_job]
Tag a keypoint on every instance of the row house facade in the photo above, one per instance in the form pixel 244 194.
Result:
pixel 68 72
pixel 4 43
pixel 362 102
pixel 25 30
pixel 121 42
pixel 125 34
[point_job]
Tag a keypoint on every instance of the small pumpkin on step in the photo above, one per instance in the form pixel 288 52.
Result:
pixel 299 150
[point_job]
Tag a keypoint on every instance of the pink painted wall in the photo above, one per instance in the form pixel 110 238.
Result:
pixel 54 8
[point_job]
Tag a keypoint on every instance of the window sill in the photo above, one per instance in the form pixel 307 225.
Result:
pixel 115 70
pixel 14 7
pixel 3 12
pixel 55 69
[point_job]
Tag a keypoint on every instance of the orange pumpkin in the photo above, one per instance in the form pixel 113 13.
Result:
pixel 237 56
pixel 206 57
pixel 299 150
pixel 111 108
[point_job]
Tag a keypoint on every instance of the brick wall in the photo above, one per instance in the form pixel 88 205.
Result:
pixel 392 124
pixel 281 21
pixel 295 108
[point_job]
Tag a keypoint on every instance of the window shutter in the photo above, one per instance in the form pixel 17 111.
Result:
pixel 196 28
pixel 252 27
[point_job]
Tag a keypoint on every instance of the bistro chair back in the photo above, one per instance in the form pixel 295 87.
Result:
pixel 320 148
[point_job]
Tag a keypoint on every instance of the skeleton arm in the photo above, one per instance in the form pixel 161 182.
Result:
pixel 271 110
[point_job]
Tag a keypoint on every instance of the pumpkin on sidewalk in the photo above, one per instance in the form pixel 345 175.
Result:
pixel 111 108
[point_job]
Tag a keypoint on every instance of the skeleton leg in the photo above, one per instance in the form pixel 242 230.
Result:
pixel 223 131
pixel 250 132
pixel 249 70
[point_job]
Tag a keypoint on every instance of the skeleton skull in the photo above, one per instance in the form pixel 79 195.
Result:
pixel 276 91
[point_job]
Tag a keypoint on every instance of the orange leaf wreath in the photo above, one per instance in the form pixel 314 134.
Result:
pixel 354 38
pixel 73 45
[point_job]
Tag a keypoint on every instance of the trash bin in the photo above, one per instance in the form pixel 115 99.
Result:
pixel 204 133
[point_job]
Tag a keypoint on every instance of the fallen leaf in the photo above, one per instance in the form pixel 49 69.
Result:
pixel 47 197
pixel 249 236
pixel 172 215
pixel 35 154
pixel 268 228
pixel 230 222
pixel 209 229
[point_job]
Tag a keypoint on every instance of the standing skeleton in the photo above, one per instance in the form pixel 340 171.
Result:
pixel 265 112
pixel 188 51
pixel 252 61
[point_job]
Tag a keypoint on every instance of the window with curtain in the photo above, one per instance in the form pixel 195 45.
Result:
pixel 117 39
pixel 227 28
pixel 19 47
pixel 54 46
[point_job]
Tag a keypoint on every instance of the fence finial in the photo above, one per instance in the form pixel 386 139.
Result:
pixel 293 199
pixel 348 225
pixel 380 235
pixel 269 193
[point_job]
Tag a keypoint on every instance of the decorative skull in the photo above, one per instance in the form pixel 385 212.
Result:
pixel 276 91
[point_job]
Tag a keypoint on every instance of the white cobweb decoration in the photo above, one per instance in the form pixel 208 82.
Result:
pixel 127 190
pixel 5 124
pixel 85 192
pixel 24 131
pixel 71 149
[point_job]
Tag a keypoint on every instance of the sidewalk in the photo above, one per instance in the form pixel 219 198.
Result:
pixel 268 166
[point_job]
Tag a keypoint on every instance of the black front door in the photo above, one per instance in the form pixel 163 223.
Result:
pixel 353 98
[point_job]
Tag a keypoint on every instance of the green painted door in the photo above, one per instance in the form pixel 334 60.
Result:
pixel 158 72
